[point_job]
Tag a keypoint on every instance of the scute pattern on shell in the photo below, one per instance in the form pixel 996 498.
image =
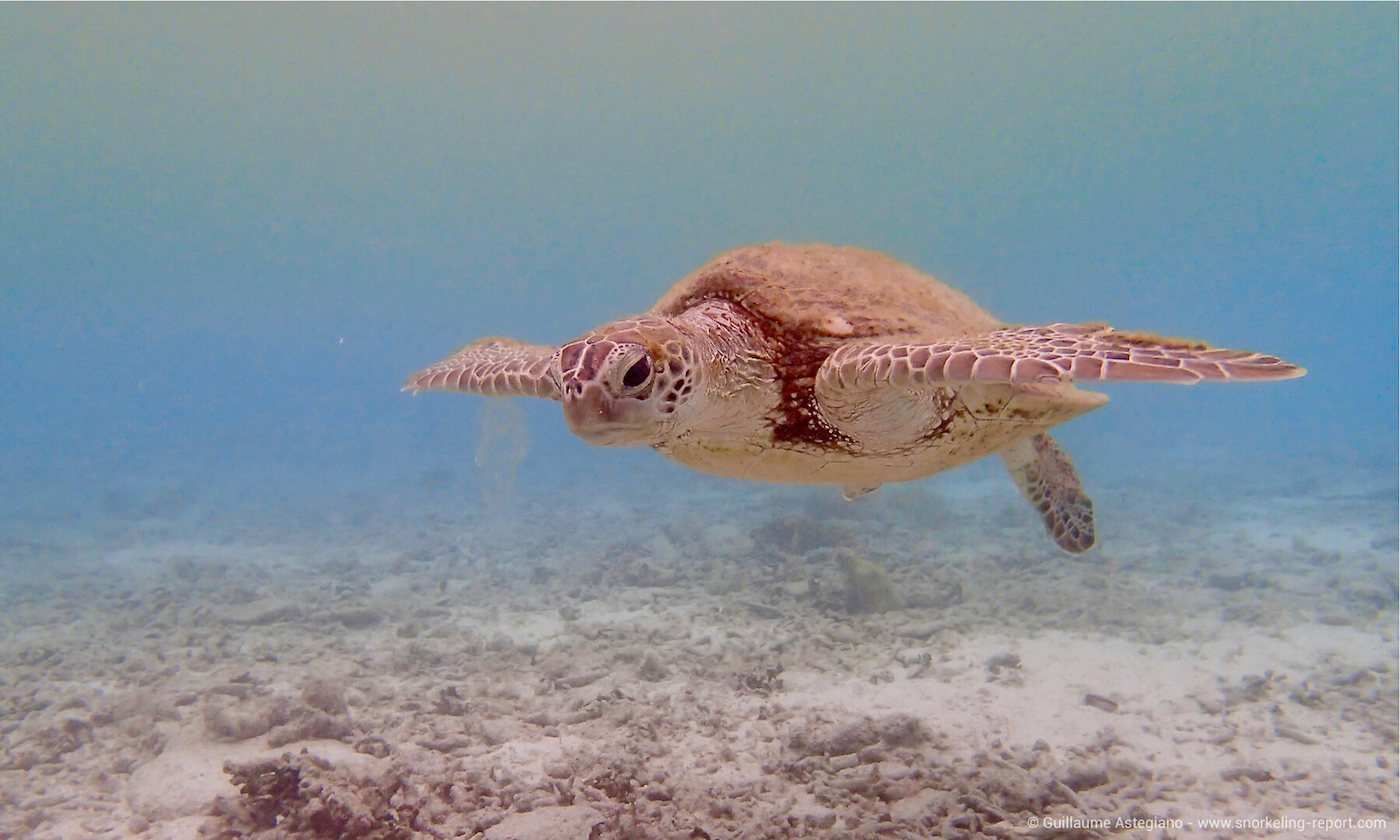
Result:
pixel 830 295
pixel 806 301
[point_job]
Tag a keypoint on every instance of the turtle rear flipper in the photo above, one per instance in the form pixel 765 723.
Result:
pixel 494 367
pixel 1048 480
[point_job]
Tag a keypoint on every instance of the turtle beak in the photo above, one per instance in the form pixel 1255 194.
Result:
pixel 585 407
pixel 599 418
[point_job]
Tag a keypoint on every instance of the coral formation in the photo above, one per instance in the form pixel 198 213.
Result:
pixel 869 588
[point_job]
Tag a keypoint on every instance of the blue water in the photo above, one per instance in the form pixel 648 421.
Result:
pixel 228 233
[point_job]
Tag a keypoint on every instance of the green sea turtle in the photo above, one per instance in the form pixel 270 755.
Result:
pixel 809 364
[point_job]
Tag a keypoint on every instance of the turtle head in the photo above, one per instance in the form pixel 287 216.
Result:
pixel 627 383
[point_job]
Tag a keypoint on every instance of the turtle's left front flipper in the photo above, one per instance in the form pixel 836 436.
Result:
pixel 1058 353
pixel 1048 480
pixel 869 386
pixel 493 367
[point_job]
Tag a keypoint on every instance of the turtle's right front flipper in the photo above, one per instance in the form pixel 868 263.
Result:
pixel 493 367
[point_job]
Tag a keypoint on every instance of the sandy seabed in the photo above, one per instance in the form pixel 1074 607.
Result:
pixel 705 662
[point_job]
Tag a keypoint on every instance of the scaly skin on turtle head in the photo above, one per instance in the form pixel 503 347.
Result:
pixel 627 383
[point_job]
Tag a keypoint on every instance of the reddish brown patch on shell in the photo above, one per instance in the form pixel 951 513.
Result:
pixel 807 300
pixel 797 358
pixel 796 353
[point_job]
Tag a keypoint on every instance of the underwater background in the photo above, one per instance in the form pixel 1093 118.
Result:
pixel 228 234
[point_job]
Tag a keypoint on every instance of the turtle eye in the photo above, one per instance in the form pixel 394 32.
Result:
pixel 637 374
